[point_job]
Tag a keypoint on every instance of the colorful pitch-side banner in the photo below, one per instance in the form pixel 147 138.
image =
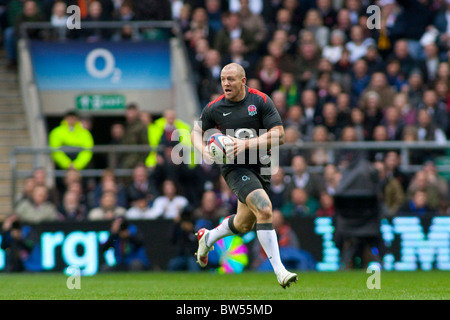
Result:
pixel 101 65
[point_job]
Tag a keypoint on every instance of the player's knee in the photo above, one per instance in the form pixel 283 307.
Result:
pixel 246 227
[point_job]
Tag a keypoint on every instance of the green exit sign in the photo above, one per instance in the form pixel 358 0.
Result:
pixel 100 102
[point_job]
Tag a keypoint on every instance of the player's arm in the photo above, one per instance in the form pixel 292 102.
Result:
pixel 272 138
pixel 199 143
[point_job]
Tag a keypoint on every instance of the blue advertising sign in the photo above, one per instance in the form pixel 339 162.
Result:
pixel 411 244
pixel 101 65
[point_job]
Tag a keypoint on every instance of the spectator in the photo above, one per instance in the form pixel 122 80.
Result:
pixel 423 181
pixel 357 120
pixel 39 209
pixel 41 178
pixel 232 29
pixel 415 89
pixel 199 28
pixel 108 183
pixel 314 22
pixel 70 133
pixel 435 108
pixel 283 21
pixel 125 12
pixel 279 100
pixel 290 88
pixel 416 206
pixel 309 101
pixel 71 209
pixel 59 18
pixel 209 208
pixel 379 84
pixel 427 129
pixel 269 74
pixel 392 193
pixel 435 179
pixel 293 139
pixel 441 23
pixel 295 119
pixel 169 204
pixel 373 114
pixel 96 13
pixel 407 113
pixel 27 190
pixel 307 62
pixel 326 205
pixel 182 236
pixel 139 208
pixel 166 131
pixel 210 75
pixel 282 50
pixel 374 60
pixel 357 46
pixel 357 216
pixel 108 209
pixel 333 51
pixel 140 184
pixel 253 22
pixel 302 178
pixel 330 121
pixel 279 192
pixel 16 244
pixel 226 198
pixel 431 63
pixel 331 176
pixel 237 54
pixel 394 74
pixel 152 10
pixel 128 246
pixel 411 24
pixel 301 204
pixel 319 155
pixel 403 55
pixel 393 123
pixel 29 12
pixel 392 163
pixel 327 12
pixel 136 133
pixel 360 78
pixel 214 12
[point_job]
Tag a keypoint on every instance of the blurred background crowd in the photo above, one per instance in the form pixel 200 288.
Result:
pixel 331 77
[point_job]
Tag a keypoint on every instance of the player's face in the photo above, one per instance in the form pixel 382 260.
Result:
pixel 233 84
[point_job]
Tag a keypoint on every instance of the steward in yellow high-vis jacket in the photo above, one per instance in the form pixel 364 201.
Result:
pixel 166 125
pixel 71 133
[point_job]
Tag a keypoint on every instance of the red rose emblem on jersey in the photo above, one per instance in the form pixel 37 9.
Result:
pixel 252 110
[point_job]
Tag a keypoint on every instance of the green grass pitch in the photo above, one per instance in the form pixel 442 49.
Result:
pixel 344 285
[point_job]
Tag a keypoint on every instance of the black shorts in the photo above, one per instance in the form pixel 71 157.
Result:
pixel 243 180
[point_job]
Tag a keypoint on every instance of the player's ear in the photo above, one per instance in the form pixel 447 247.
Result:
pixel 244 80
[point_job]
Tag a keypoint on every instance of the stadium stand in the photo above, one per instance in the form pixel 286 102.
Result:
pixel 319 87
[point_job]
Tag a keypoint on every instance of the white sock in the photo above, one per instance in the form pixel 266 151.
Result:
pixel 268 239
pixel 221 231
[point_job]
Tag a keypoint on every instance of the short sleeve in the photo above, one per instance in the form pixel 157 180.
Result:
pixel 270 116
pixel 206 122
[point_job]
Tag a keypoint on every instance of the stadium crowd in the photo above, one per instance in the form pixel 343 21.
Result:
pixel 331 77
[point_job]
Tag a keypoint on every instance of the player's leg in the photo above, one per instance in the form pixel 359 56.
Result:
pixel 259 203
pixel 241 222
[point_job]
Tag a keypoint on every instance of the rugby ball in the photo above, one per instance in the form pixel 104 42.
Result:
pixel 218 145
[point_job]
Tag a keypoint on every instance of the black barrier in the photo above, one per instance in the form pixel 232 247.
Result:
pixel 411 243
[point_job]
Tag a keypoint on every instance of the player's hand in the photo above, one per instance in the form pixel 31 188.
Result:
pixel 239 146
pixel 207 157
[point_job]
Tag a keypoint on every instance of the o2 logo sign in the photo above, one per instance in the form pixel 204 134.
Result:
pixel 100 64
